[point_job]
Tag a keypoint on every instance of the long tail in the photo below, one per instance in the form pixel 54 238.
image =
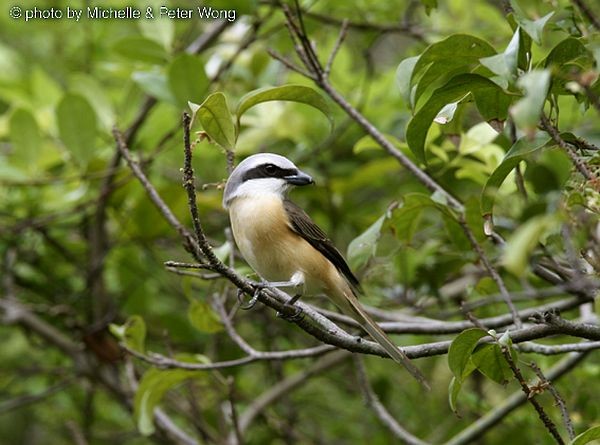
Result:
pixel 380 337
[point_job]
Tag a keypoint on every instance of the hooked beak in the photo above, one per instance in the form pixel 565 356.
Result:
pixel 299 178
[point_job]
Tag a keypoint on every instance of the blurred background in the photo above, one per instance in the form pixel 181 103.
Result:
pixel 82 246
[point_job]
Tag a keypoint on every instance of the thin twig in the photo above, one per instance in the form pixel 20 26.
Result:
pixel 336 47
pixel 545 383
pixel 485 423
pixel 554 133
pixel 550 426
pixel 380 410
pixel 585 9
pixel 492 272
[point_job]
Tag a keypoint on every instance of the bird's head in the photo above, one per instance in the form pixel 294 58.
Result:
pixel 261 174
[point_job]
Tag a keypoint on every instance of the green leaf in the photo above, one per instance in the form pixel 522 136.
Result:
pixel 453 391
pixel 26 139
pixel 132 333
pixel 461 350
pixel 565 51
pixel 526 112
pixel 293 93
pixel 453 55
pixel 453 90
pixel 405 219
pixel 155 84
pixel 534 28
pixel 492 103
pixel 187 79
pixel 95 94
pixel 140 49
pixel 77 126
pixel 490 361
pixel 216 120
pixel 404 74
pixel 519 151
pixel 429 5
pixel 521 243
pixel 203 318
pixel 153 386
pixel 505 64
pixel 159 30
pixel 587 436
pixel 364 246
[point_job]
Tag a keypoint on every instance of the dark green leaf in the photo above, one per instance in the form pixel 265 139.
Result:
pixel 187 79
pixel 461 350
pixel 490 361
pixel 203 318
pixel 77 126
pixel 293 93
pixel 454 55
pixel 492 103
pixel 565 51
pixel 516 154
pixel 456 88
pixel 216 120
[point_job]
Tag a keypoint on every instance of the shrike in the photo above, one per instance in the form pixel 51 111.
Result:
pixel 286 248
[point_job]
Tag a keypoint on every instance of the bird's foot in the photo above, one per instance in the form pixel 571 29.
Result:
pixel 297 315
pixel 252 302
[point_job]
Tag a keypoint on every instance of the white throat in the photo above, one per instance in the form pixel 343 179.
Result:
pixel 259 188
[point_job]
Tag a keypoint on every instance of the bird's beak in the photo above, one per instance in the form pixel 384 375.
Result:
pixel 299 178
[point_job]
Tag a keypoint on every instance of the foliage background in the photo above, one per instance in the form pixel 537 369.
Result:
pixel 82 245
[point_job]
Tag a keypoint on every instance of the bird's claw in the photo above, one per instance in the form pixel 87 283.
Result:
pixel 252 302
pixel 296 316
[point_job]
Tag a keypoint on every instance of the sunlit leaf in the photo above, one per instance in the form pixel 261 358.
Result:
pixel 141 49
pixel 524 240
pixel 505 64
pixel 77 126
pixel 404 74
pixel 587 436
pixel 132 333
pixel 153 386
pixel 26 139
pixel 526 112
pixel 155 84
pixel 534 28
pixel 203 317
pixel 363 247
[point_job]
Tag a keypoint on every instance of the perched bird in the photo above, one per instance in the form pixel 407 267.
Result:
pixel 286 248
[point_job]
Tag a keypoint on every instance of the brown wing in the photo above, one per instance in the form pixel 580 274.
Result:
pixel 304 226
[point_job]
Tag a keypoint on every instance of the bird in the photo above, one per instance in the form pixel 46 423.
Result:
pixel 287 249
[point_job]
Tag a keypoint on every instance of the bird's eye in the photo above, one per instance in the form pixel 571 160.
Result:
pixel 270 169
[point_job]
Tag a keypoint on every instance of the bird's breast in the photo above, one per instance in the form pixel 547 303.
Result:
pixel 263 235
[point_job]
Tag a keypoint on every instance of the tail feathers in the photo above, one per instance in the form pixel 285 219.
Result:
pixel 380 337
